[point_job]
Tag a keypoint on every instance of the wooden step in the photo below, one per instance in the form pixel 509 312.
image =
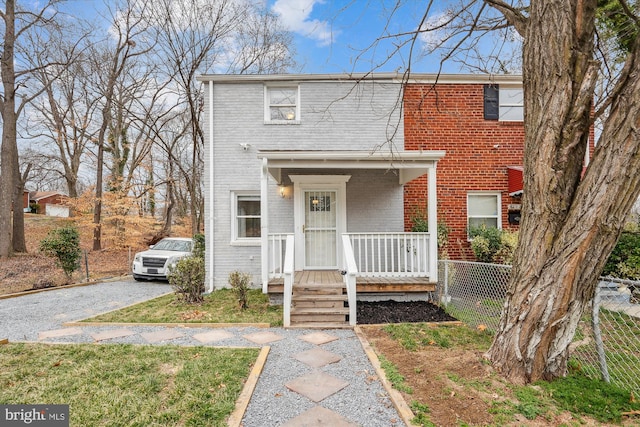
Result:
pixel 319 304
pixel 321 325
pixel 320 310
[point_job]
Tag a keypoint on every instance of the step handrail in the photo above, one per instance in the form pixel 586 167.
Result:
pixel 288 272
pixel 350 272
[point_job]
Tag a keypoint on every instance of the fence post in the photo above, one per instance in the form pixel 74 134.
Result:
pixel 445 298
pixel 597 335
pixel 86 264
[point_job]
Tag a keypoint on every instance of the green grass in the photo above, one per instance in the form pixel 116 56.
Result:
pixel 127 385
pixel 415 335
pixel 585 396
pixel 393 375
pixel 220 306
pixel 421 412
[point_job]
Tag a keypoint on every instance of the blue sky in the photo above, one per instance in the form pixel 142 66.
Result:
pixel 337 36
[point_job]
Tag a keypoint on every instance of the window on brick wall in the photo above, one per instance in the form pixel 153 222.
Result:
pixel 282 104
pixel 246 215
pixel 483 209
pixel 504 103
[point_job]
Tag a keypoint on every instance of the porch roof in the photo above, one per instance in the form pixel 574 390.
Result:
pixel 409 164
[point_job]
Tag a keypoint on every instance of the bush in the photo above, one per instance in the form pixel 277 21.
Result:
pixel 198 245
pixel 187 279
pixel 63 244
pixel 624 261
pixel 493 245
pixel 240 285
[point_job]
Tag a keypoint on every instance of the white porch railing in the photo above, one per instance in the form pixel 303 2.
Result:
pixel 351 271
pixel 288 272
pixel 390 254
pixel 277 246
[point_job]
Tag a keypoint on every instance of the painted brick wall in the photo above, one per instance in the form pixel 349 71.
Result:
pixel 334 116
pixel 478 151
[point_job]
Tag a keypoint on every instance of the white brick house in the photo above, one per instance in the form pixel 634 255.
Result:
pixel 319 159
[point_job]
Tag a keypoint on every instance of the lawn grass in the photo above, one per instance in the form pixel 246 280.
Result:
pixel 220 306
pixel 414 335
pixel 127 385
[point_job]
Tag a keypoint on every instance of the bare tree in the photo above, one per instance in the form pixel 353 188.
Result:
pixel 571 219
pixel 109 65
pixel 16 69
pixel 236 36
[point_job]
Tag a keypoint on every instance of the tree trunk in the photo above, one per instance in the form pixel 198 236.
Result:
pixel 9 149
pixel 19 242
pixel 569 226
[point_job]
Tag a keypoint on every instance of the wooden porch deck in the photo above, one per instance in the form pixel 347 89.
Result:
pixel 364 284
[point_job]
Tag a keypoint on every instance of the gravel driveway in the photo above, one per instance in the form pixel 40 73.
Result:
pixel 22 318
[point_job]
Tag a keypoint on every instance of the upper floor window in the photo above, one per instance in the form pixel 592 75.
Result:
pixel 504 103
pixel 282 104
pixel 483 209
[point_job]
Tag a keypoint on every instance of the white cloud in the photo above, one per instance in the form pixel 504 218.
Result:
pixel 295 15
pixel 435 31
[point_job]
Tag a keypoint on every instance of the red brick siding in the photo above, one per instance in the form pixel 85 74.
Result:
pixel 450 117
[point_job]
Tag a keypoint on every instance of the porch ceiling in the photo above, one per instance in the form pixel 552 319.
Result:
pixel 409 164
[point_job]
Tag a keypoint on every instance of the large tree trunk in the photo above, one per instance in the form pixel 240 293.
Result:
pixel 569 226
pixel 19 242
pixel 9 148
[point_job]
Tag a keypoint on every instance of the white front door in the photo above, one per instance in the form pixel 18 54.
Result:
pixel 320 229
pixel 320 219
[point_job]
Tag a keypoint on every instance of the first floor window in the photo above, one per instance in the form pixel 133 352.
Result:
pixel 247 216
pixel 483 209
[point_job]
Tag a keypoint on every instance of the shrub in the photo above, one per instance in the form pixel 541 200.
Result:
pixel 198 245
pixel 187 279
pixel 420 223
pixel 624 261
pixel 63 244
pixel 493 245
pixel 240 285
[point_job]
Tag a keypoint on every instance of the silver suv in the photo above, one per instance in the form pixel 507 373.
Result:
pixel 154 263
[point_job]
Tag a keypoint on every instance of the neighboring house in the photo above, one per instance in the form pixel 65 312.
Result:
pixel 304 177
pixel 478 121
pixel 25 200
pixel 51 203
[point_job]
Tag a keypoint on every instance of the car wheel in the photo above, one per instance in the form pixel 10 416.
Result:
pixel 138 278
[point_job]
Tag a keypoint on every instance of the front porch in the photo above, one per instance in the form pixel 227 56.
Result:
pixel 375 264
pixel 328 258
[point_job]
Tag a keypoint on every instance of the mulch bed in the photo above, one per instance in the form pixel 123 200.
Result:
pixel 370 313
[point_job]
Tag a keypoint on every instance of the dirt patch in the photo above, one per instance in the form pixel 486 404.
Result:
pixel 457 385
pixel 371 313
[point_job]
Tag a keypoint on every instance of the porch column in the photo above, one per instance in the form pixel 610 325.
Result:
pixel 264 225
pixel 432 218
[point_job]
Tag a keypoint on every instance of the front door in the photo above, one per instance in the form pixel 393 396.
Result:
pixel 320 229
pixel 320 219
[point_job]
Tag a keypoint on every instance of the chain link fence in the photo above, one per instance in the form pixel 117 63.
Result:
pixel 607 341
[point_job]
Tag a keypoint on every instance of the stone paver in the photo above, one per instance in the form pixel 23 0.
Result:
pixel 318 338
pixel 317 385
pixel 161 335
pixel 111 334
pixel 264 337
pixel 318 417
pixel 317 357
pixel 57 333
pixel 213 336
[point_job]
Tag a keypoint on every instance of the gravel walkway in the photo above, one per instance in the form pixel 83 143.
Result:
pixel 40 317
